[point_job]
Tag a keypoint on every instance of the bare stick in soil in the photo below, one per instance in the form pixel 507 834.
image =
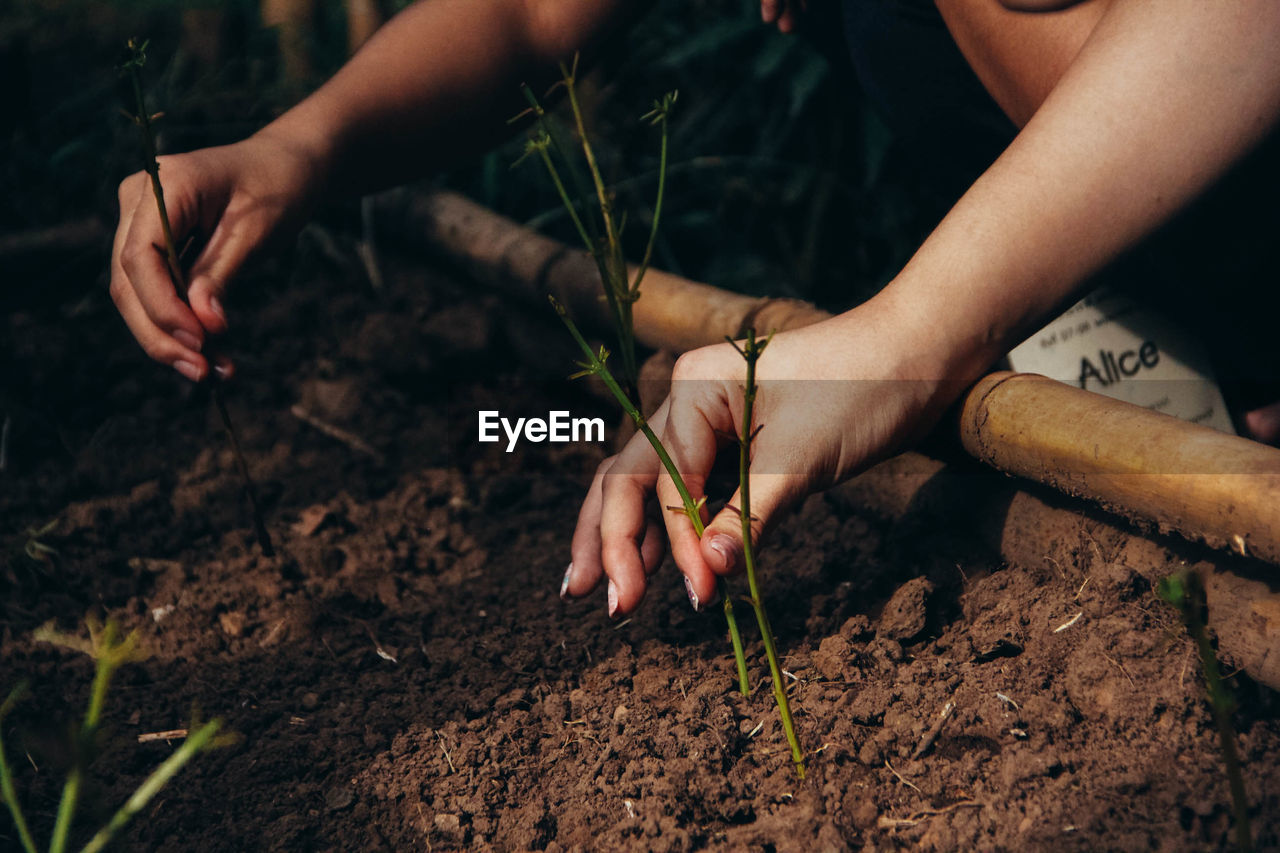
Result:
pixel 751 351
pixel 132 66
pixel 595 366
pixel 1185 591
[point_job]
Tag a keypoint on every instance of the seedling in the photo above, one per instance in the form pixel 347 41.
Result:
pixel 750 352
pixel 620 290
pixel 1185 591
pixel 131 68
pixel 110 651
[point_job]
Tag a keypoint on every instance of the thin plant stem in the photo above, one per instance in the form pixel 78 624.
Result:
pixel 192 746
pixel 614 260
pixel 595 366
pixel 7 788
pixel 1186 592
pixel 110 655
pixel 137 57
pixel 661 113
pixel 751 352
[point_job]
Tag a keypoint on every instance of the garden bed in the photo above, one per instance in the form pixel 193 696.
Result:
pixel 404 675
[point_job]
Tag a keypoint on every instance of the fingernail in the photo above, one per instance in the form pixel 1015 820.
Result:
pixel 188 370
pixel 222 370
pixel 729 550
pixel 216 307
pixel 187 339
pixel 613 600
pixel 693 596
pixel 564 584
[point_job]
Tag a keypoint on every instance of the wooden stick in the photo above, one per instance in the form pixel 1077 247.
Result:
pixel 1144 465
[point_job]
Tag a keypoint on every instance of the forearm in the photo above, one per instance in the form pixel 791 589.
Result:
pixel 438 81
pixel 1162 98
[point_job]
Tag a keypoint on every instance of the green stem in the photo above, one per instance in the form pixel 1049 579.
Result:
pixel 692 509
pixel 657 210
pixel 7 788
pixel 159 777
pixel 84 741
pixel 1186 592
pixel 615 261
pixel 751 352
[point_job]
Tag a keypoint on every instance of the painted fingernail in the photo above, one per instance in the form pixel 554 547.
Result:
pixel 187 339
pixel 188 370
pixel 693 596
pixel 613 600
pixel 564 584
pixel 222 370
pixel 216 307
pixel 729 550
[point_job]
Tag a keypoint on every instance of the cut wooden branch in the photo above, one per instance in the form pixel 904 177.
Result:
pixel 1143 465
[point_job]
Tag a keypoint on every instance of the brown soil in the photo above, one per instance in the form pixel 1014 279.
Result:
pixel 404 676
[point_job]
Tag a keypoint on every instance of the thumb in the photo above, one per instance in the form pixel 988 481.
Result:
pixel 211 274
pixel 771 495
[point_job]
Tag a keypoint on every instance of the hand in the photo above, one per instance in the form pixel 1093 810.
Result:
pixel 784 13
pixel 833 399
pixel 241 196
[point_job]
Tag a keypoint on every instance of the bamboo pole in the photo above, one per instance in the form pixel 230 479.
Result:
pixel 1148 467
pixel 1144 465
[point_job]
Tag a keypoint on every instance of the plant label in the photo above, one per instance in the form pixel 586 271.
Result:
pixel 1111 344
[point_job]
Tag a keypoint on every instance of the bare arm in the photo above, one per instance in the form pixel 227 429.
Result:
pixel 1142 112
pixel 438 81
pixel 1162 98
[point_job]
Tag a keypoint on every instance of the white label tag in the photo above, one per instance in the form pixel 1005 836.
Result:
pixel 1109 343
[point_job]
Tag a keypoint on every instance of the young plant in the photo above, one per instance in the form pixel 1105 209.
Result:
pixel 621 291
pixel 1185 591
pixel 131 68
pixel 750 352
pixel 110 651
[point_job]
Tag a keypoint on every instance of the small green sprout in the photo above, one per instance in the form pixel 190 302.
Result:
pixel 110 651
pixel 1185 591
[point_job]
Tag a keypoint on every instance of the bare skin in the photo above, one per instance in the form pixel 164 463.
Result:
pixel 1130 108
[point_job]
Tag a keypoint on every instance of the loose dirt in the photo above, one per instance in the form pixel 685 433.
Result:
pixel 405 677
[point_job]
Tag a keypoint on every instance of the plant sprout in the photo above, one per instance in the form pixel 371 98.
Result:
pixel 620 291
pixel 110 651
pixel 131 67
pixel 1185 591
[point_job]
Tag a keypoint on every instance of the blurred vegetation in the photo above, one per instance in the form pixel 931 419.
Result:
pixel 783 180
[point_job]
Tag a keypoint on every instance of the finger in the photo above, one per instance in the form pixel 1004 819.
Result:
pixel 585 570
pixel 146 270
pixel 159 345
pixel 653 547
pixel 769 10
pixel 155 343
pixel 626 490
pixel 690 436
pixel 771 494
pixel 232 244
pixel 787 20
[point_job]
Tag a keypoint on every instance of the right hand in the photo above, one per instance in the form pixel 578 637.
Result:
pixel 241 197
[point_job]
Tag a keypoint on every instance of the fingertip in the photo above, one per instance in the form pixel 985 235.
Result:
pixel 206 305
pixel 190 369
pixel 722 552
pixel 223 368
